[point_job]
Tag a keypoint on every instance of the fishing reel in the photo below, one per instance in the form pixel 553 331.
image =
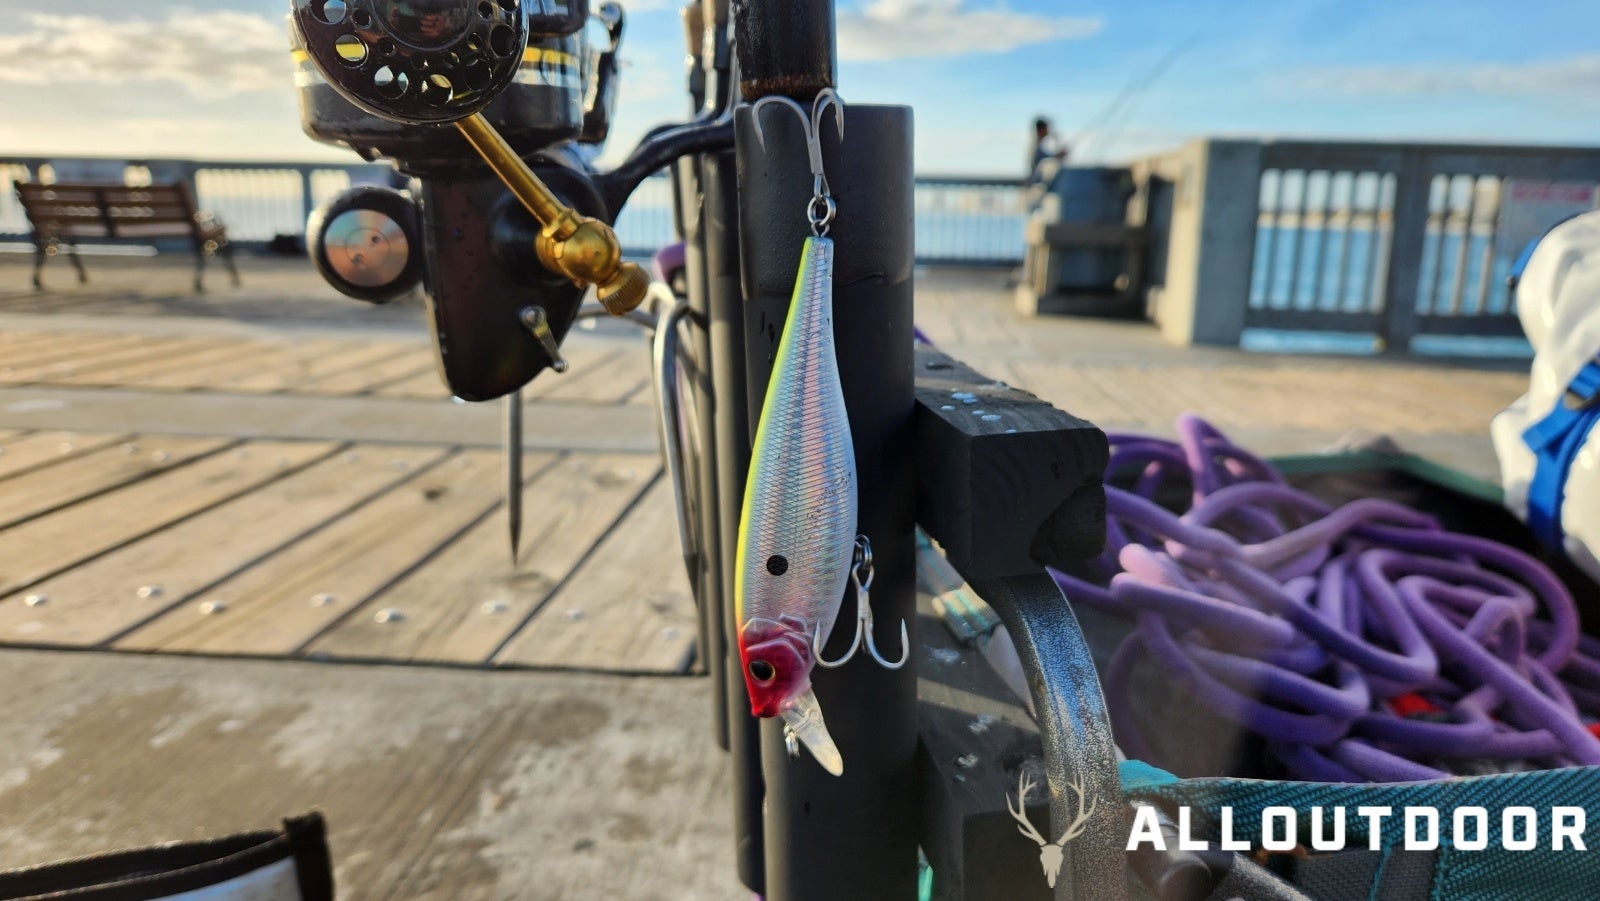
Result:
pixel 481 101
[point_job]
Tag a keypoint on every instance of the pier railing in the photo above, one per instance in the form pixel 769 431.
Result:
pixel 1402 243
pixel 961 220
pixel 258 200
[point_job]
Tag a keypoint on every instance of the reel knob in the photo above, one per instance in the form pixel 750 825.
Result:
pixel 366 243
pixel 424 62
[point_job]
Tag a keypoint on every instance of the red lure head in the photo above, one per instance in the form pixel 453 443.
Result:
pixel 777 662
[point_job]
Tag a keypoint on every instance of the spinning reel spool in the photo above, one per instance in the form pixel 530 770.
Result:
pixel 384 76
pixel 418 61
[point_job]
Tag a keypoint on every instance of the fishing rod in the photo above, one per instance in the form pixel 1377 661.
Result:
pixel 1142 82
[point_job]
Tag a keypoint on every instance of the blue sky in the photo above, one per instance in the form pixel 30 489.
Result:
pixel 138 77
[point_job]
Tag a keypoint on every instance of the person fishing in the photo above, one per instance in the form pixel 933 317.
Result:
pixel 1046 146
pixel 1047 155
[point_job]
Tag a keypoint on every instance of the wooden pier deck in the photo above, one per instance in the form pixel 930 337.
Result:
pixel 183 511
pixel 276 472
pixel 273 472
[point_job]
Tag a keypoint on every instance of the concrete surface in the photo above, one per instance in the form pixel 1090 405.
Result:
pixel 435 784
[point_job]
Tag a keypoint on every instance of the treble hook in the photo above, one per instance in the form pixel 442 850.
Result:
pixel 821 209
pixel 863 561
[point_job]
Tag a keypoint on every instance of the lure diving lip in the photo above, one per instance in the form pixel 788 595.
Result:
pixel 798 525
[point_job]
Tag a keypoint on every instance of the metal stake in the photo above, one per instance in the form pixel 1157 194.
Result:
pixel 537 322
pixel 513 403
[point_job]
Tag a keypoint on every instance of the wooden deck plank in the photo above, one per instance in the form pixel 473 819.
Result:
pixel 367 378
pixel 624 372
pixel 72 349
pixel 425 385
pixel 97 601
pixel 44 448
pixel 85 476
pixel 187 359
pixel 1068 387
pixel 64 370
pixel 57 301
pixel 286 600
pixel 465 603
pixel 348 355
pixel 15 338
pixel 628 608
pixel 43 547
pixel 584 361
pixel 28 343
pixel 273 355
pixel 56 345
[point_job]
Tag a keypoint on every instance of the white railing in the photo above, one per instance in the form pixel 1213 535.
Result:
pixel 960 220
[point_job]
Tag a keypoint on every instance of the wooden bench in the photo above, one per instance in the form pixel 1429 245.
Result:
pixel 60 214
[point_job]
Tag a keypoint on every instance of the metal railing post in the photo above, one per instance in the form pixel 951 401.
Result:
pixel 1413 184
pixel 308 200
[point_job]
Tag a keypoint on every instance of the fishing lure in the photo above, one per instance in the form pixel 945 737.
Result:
pixel 798 547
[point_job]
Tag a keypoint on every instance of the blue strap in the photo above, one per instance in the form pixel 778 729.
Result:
pixel 1555 441
pixel 1521 263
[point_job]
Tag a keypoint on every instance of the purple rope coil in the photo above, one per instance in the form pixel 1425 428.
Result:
pixel 1363 643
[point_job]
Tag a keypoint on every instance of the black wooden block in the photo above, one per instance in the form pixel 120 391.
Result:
pixel 1006 483
pixel 974 740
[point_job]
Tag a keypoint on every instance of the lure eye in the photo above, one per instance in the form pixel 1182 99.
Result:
pixel 777 565
pixel 762 671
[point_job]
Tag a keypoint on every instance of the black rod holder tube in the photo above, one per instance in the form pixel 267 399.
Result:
pixel 707 577
pixel 718 63
pixel 852 836
pixel 720 227
pixel 785 47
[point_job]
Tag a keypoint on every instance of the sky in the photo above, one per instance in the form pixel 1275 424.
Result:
pixel 1120 79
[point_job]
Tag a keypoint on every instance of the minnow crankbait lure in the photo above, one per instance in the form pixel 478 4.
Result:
pixel 798 547
pixel 797 531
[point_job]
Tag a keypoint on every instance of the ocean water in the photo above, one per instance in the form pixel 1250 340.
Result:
pixel 981 224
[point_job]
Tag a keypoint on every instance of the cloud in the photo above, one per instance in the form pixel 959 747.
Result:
pixel 1575 75
pixel 209 54
pixel 272 138
pixel 895 29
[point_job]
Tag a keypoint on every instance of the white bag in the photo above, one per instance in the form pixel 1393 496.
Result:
pixel 1548 444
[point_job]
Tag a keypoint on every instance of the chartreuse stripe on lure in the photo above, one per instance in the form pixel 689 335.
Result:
pixel 797 530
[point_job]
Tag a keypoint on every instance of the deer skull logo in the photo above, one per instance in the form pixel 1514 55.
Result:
pixel 1051 854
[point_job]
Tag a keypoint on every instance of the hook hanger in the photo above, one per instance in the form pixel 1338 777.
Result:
pixel 821 209
pixel 863 636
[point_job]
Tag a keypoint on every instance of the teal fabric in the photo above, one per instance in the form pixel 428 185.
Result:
pixel 1494 874
pixel 1138 776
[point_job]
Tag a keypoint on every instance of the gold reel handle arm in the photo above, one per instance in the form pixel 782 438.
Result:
pixel 583 249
